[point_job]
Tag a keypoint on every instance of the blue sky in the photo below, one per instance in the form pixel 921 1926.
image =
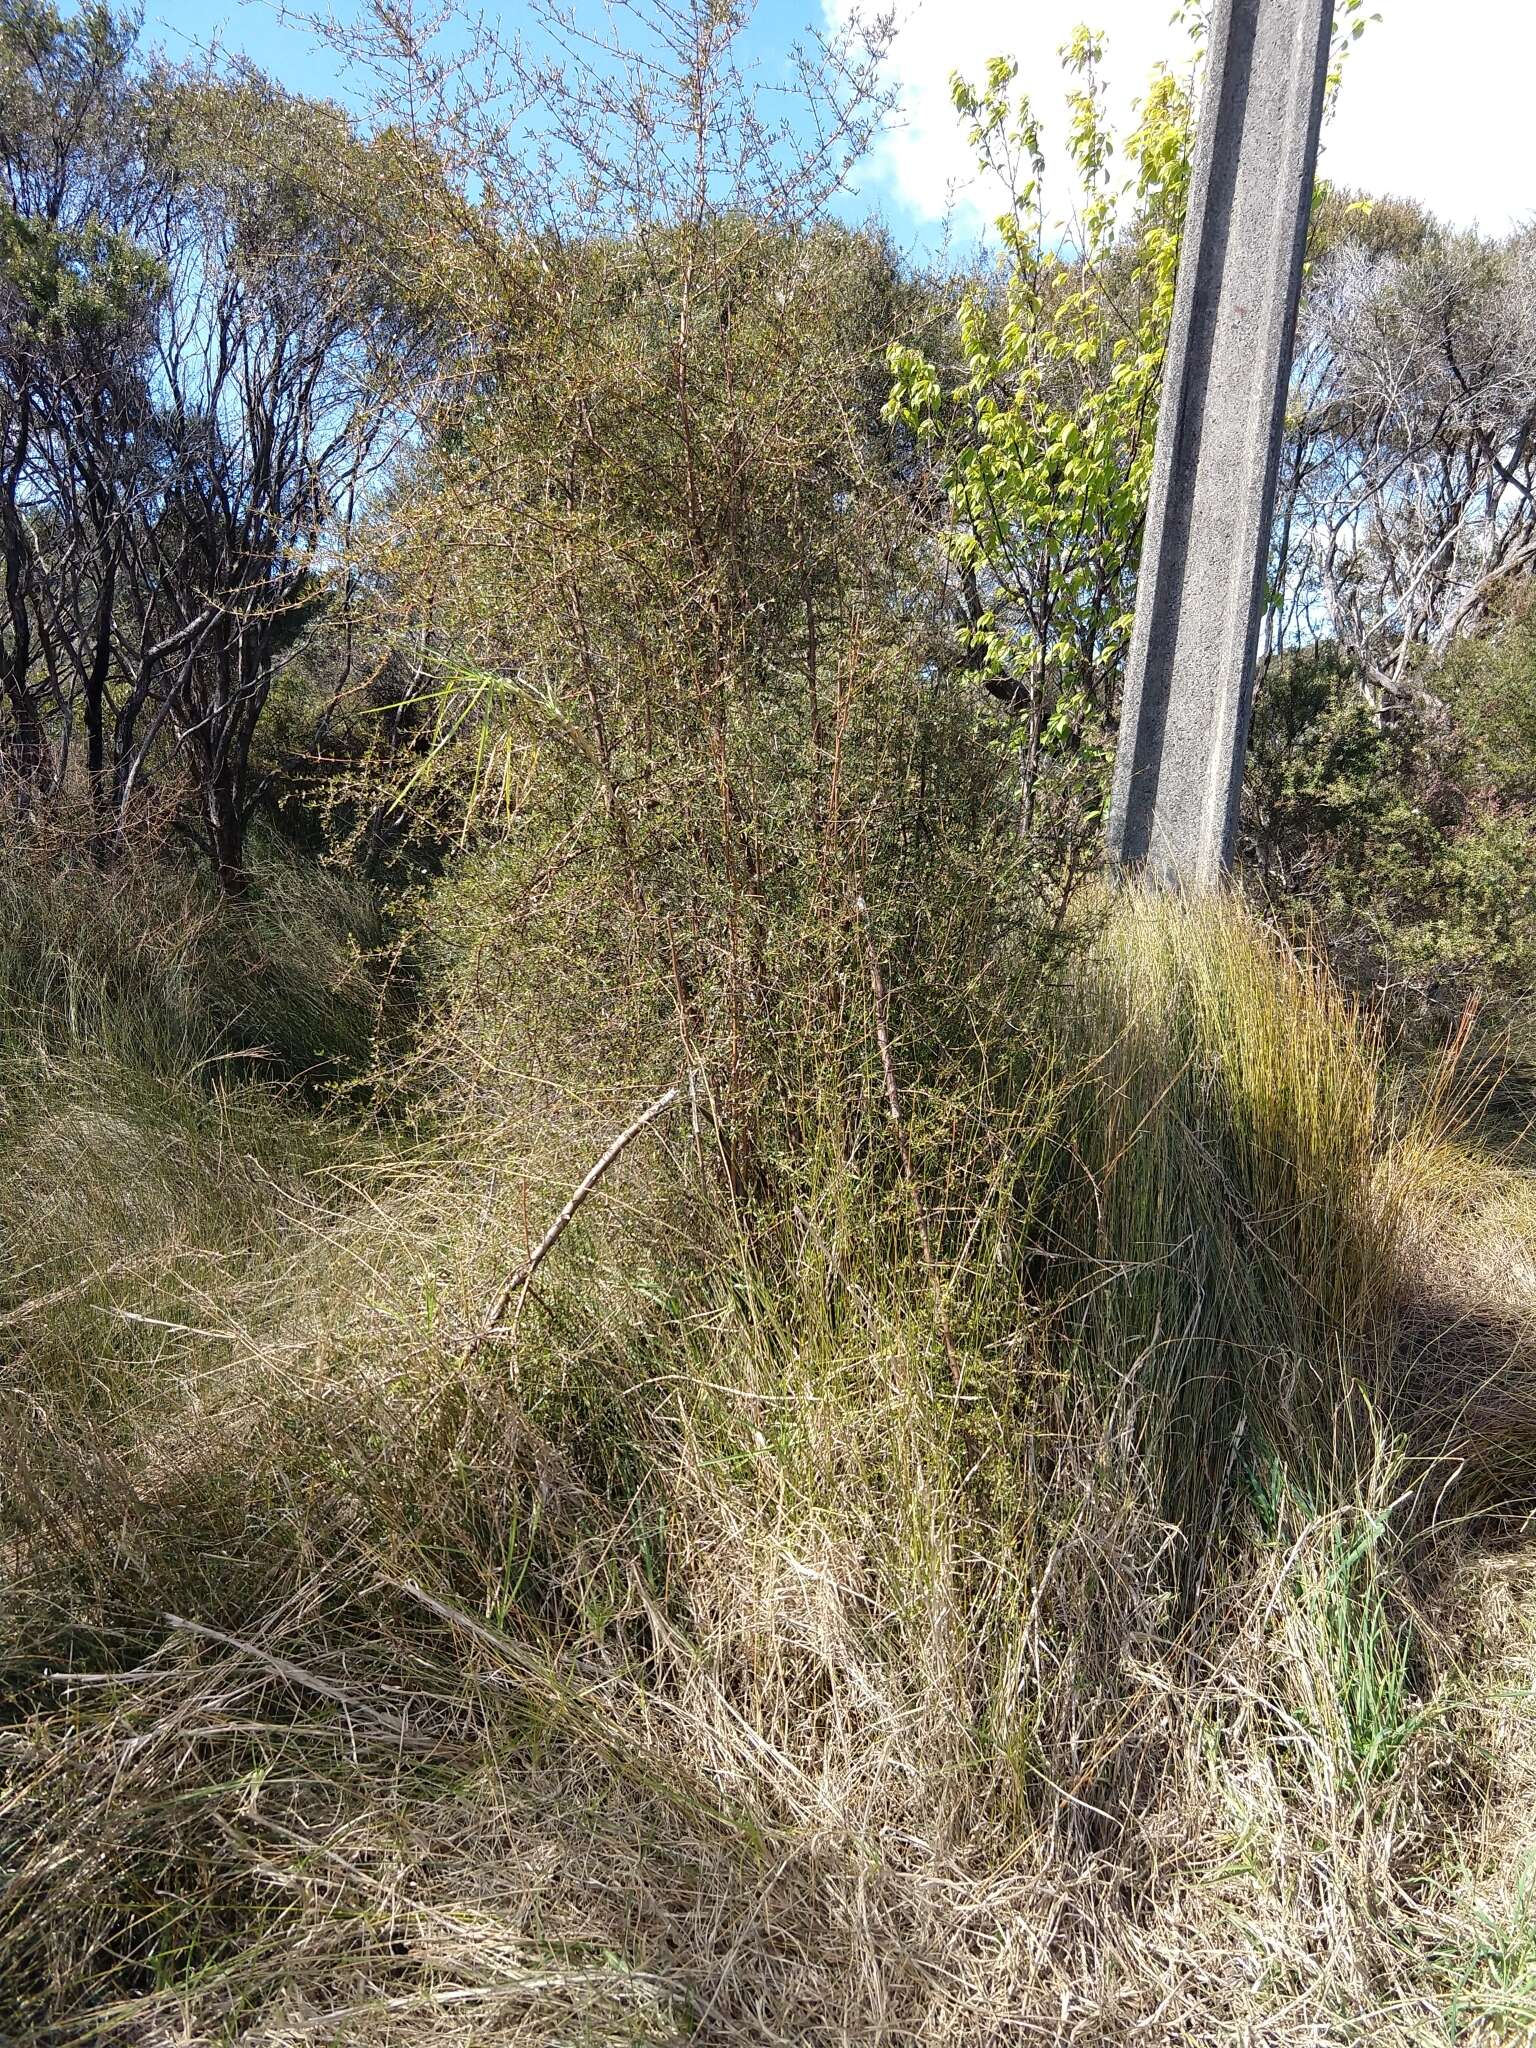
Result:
pixel 1433 104
pixel 256 28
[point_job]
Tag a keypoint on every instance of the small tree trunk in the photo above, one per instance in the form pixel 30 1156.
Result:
pixel 29 746
pixel 1029 773
pixel 95 714
pixel 226 835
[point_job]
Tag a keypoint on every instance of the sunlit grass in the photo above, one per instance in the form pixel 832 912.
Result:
pixel 770 1638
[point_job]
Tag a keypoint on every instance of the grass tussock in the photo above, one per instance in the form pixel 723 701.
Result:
pixel 1006 1590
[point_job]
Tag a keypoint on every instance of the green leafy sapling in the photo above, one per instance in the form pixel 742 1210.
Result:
pixel 1043 437
pixel 1041 432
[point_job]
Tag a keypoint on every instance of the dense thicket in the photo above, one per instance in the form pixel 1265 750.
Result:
pixel 202 360
pixel 317 445
pixel 664 1382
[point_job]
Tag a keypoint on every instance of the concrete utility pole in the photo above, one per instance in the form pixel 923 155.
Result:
pixel 1184 727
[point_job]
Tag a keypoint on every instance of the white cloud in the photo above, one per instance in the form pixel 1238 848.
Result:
pixel 1436 106
pixel 1434 103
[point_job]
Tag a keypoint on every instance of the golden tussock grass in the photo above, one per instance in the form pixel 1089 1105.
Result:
pixel 1078 1619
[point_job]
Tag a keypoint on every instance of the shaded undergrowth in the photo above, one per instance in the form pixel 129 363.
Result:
pixel 1013 1585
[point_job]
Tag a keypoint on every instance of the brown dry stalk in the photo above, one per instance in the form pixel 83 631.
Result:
pixel 904 1152
pixel 520 1281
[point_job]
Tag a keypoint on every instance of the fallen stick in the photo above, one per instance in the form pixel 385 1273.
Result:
pixel 522 1278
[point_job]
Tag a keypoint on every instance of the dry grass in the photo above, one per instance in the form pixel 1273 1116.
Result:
pixel 760 1645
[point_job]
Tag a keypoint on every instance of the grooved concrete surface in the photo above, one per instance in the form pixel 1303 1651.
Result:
pixel 1184 726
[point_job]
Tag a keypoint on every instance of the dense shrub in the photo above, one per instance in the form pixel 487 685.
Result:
pixel 843 1439
pixel 1406 835
pixel 1026 1513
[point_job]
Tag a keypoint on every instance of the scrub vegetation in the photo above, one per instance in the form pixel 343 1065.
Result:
pixel 666 1380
